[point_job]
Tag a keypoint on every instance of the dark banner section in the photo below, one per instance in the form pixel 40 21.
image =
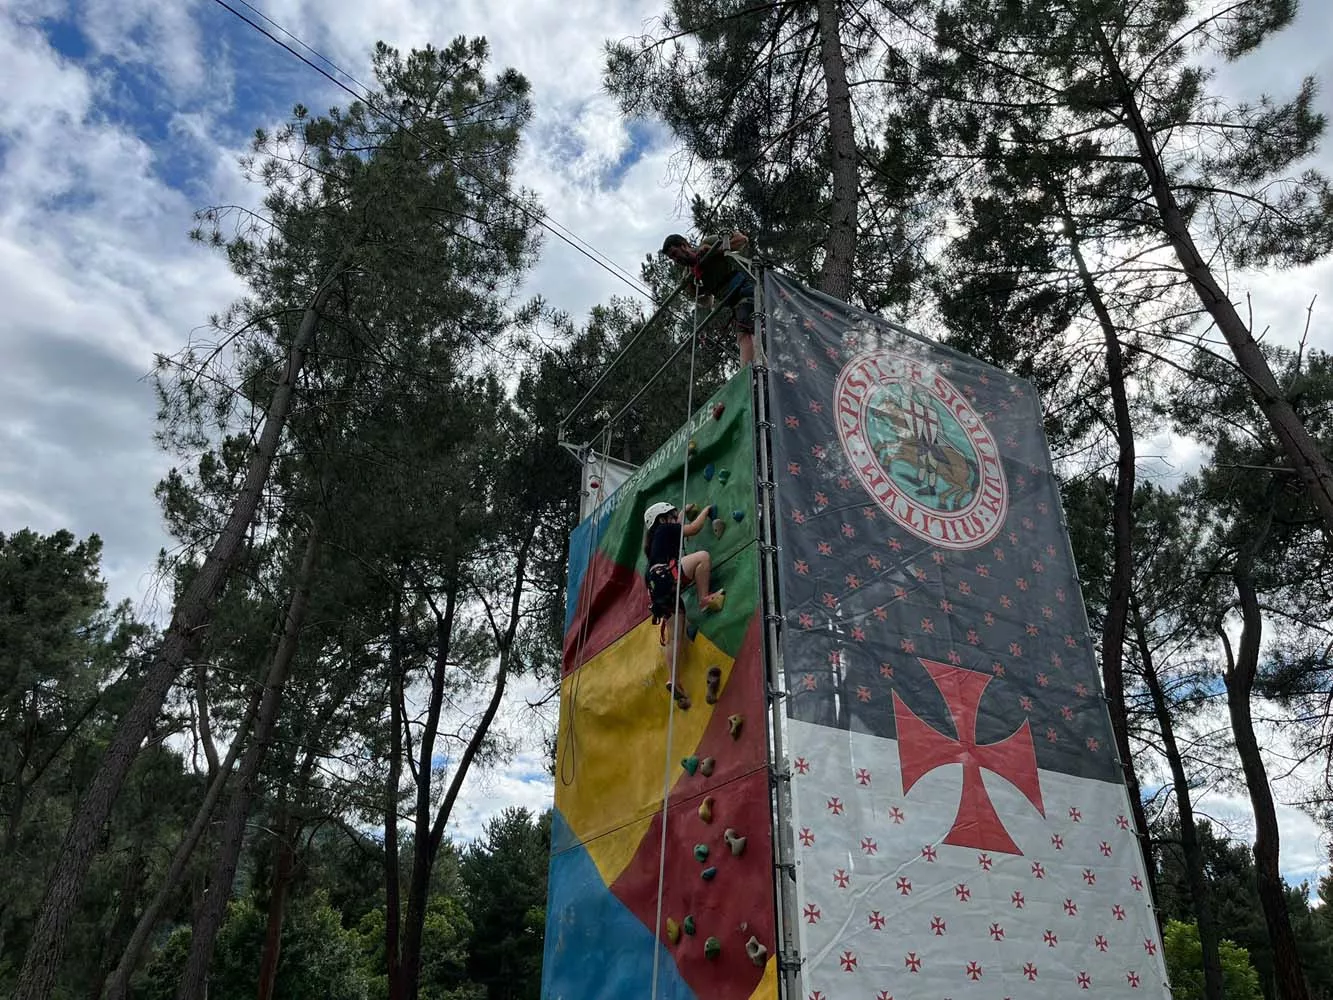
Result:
pixel 928 585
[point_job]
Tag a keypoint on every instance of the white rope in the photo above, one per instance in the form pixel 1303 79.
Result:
pixel 675 651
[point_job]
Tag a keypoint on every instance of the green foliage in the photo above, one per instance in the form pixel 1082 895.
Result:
pixel 1184 965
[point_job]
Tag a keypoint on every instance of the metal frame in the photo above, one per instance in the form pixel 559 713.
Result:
pixel 784 859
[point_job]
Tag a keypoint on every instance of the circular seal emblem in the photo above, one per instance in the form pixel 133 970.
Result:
pixel 920 449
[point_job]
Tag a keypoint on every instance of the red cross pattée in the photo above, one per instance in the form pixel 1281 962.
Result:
pixel 923 748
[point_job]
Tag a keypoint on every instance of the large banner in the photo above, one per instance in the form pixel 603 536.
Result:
pixel 608 867
pixel 962 826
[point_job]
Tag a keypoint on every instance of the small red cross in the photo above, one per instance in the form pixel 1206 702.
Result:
pixel 1051 939
pixel 1037 870
pixel 1071 907
pixel 904 886
pixel 835 806
pixel 996 932
pixel 937 925
pixel 1030 971
pixel 929 853
pixel 1084 981
pixel 862 776
pixel 1017 900
pixel 841 878
pixel 802 765
pixel 807 838
pixel 1133 979
pixel 1118 911
pixel 973 971
pixel 876 920
pixel 912 962
pixel 1101 943
pixel 868 845
pixel 848 960
pixel 812 913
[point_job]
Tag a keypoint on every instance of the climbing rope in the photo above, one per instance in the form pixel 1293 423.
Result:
pixel 569 759
pixel 675 652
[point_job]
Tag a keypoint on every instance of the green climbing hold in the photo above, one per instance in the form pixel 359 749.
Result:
pixel 691 764
pixel 688 925
pixel 701 853
pixel 708 873
pixel 708 471
pixel 738 515
pixel 723 475
pixel 712 948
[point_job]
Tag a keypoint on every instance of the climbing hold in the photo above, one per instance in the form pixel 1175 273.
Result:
pixel 734 725
pixel 688 925
pixel 691 630
pixel 723 475
pixel 735 841
pixel 738 515
pixel 706 766
pixel 757 952
pixel 719 526
pixel 682 699
pixel 708 873
pixel 716 601
pixel 718 410
pixel 714 683
pixel 694 446
pixel 701 853
pixel 691 764
pixel 594 484
pixel 691 511
pixel 712 948
pixel 708 471
pixel 706 809
pixel 673 931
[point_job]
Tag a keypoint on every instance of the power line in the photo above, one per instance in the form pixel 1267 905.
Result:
pixel 542 219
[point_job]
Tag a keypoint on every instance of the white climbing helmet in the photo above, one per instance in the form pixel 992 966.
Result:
pixel 655 511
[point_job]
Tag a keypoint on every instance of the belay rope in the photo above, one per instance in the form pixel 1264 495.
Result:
pixel 675 655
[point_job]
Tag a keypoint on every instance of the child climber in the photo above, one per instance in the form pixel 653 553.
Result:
pixel 717 274
pixel 663 539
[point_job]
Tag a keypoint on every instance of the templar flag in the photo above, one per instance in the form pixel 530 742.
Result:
pixel 962 824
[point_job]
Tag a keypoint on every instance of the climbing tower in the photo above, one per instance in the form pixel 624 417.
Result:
pixel 908 731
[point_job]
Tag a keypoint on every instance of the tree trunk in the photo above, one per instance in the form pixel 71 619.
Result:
pixel 835 277
pixel 193 985
pixel 192 614
pixel 289 828
pixel 129 960
pixel 1239 677
pixel 392 871
pixel 423 858
pixel 205 727
pixel 504 642
pixel 131 885
pixel 1296 442
pixel 1189 837
pixel 1122 531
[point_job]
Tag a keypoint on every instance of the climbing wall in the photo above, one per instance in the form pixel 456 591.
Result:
pixel 962 827
pixel 612 756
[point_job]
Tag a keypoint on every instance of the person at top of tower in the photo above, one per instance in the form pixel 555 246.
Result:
pixel 663 547
pixel 716 274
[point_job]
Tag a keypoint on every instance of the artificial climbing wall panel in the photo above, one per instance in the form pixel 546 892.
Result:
pixel 961 825
pixel 612 759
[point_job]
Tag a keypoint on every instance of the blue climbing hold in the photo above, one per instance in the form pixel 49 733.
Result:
pixel 708 873
pixel 738 515
pixel 723 475
pixel 708 471
pixel 691 630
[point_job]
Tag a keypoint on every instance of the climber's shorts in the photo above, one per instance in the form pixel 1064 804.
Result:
pixel 739 295
pixel 661 580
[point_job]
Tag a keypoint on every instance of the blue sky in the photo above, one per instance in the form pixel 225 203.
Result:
pixel 121 117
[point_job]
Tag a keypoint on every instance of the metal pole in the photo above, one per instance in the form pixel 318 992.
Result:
pixel 784 869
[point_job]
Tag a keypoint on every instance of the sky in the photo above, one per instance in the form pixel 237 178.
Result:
pixel 120 118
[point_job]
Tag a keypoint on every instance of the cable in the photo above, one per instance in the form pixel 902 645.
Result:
pixel 677 614
pixel 541 219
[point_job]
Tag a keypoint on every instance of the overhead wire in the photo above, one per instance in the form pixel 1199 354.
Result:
pixel 542 219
